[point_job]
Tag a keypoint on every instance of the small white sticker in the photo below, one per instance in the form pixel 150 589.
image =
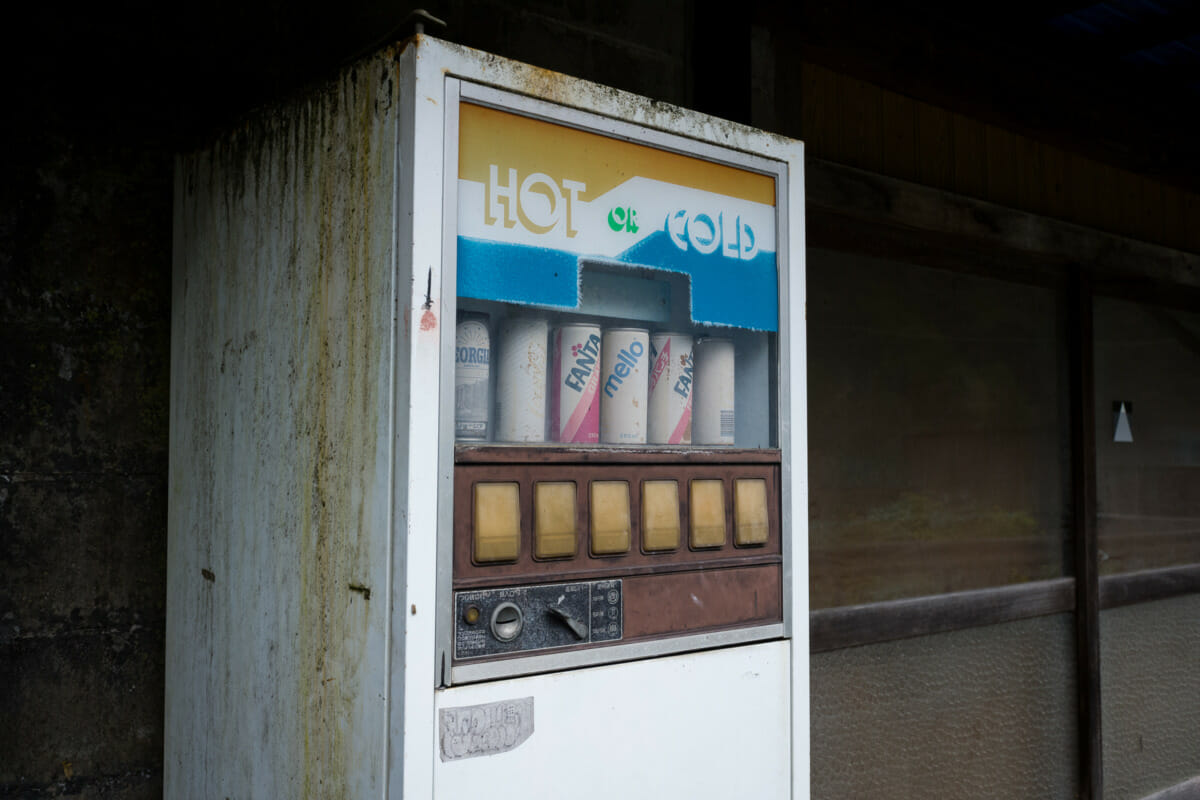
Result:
pixel 486 729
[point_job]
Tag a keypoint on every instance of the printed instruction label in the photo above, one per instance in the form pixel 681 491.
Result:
pixel 485 729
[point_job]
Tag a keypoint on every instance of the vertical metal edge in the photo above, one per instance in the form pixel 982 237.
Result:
pixel 1087 583
pixel 394 690
pixel 784 380
pixel 414 598
pixel 449 302
pixel 795 471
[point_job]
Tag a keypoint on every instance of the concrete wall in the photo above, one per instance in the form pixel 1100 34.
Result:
pixel 85 285
pixel 84 295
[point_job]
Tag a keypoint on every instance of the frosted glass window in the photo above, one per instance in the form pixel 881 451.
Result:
pixel 1150 691
pixel 938 431
pixel 981 713
pixel 1148 483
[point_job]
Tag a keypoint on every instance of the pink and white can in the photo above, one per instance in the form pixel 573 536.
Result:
pixel 623 385
pixel 575 392
pixel 670 389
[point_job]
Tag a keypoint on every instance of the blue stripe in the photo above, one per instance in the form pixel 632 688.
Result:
pixel 517 273
pixel 725 291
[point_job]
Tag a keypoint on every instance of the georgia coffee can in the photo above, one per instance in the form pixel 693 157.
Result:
pixel 670 419
pixel 521 380
pixel 472 357
pixel 575 391
pixel 623 385
pixel 712 403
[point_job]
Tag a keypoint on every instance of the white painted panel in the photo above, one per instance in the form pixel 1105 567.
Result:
pixel 704 725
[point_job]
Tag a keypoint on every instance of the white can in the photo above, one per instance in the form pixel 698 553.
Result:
pixel 472 364
pixel 521 380
pixel 670 389
pixel 712 403
pixel 623 385
pixel 575 389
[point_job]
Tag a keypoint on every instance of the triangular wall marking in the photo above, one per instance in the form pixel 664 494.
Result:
pixel 1121 430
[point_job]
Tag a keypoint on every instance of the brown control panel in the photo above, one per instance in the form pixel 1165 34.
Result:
pixel 692 536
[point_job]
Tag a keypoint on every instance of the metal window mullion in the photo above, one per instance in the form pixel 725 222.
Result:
pixel 1086 563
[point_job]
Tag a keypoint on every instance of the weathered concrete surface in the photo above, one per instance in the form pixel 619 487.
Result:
pixel 280 464
pixel 84 278
pixel 85 254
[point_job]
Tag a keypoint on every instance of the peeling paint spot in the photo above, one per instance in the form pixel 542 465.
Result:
pixel 414 608
pixel 428 321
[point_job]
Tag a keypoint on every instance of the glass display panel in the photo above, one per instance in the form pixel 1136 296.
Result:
pixel 1147 378
pixel 986 712
pixel 610 293
pixel 938 432
pixel 1150 695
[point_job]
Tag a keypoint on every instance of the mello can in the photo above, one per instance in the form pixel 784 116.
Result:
pixel 623 385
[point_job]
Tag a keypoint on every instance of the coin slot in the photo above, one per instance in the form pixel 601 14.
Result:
pixel 507 622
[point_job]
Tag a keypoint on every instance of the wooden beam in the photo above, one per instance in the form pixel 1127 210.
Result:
pixel 853 626
pixel 1020 76
pixel 1148 585
pixel 871 205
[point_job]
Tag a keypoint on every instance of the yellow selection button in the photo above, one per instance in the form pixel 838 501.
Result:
pixel 497 533
pixel 706 512
pixel 554 519
pixel 660 515
pixel 609 508
pixel 750 511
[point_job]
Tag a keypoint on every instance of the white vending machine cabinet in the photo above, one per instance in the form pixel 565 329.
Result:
pixel 488 445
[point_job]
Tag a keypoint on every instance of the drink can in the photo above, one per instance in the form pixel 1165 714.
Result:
pixel 623 385
pixel 670 389
pixel 472 365
pixel 575 390
pixel 521 380
pixel 712 404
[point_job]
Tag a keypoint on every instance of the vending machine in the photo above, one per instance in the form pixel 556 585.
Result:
pixel 488 445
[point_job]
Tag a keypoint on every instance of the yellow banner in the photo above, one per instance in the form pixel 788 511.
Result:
pixel 488 136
